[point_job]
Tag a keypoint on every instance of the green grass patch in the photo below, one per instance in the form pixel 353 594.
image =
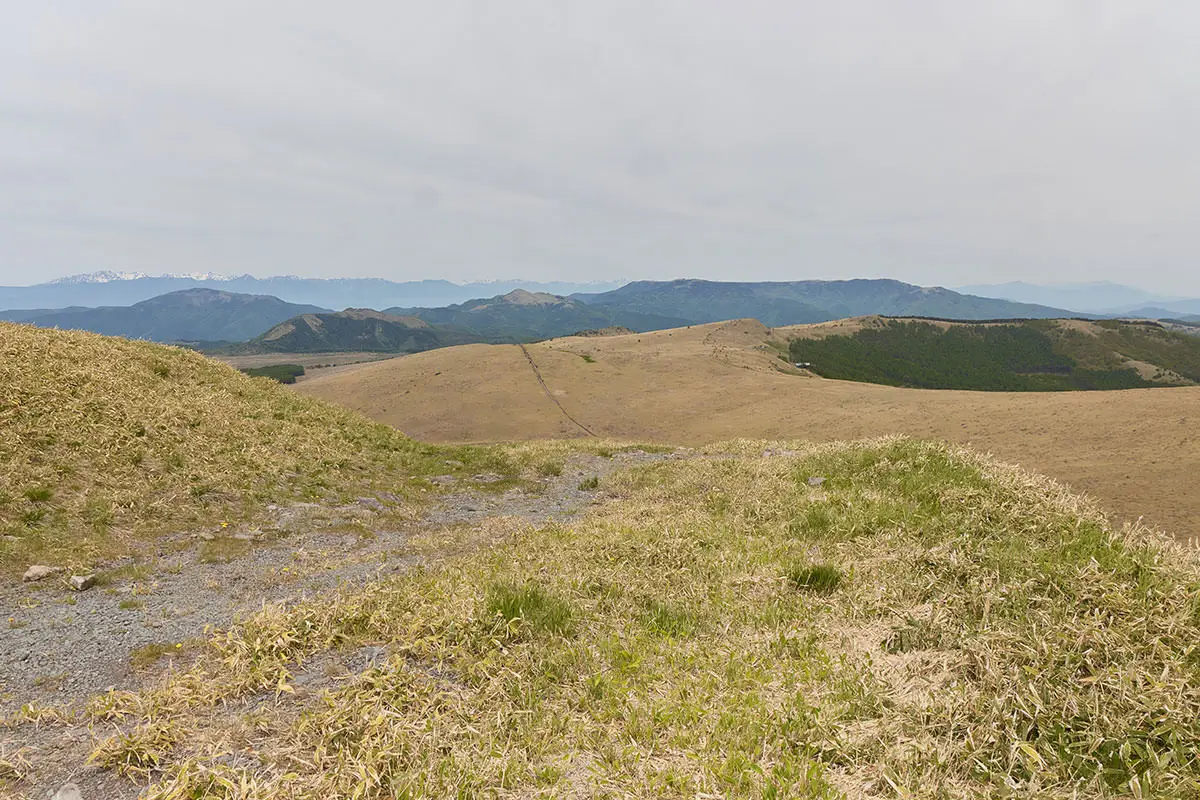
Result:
pixel 125 573
pixel 39 494
pixel 150 654
pixel 531 606
pixel 550 469
pixel 815 578
pixel 668 620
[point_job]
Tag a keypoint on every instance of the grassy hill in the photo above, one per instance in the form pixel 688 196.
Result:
pixel 106 439
pixel 522 316
pixel 183 316
pixel 796 302
pixel 1031 355
pixel 927 623
pixel 358 330
pixel 710 382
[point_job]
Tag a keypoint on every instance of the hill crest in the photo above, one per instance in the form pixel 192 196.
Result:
pixel 358 330
pixel 187 315
pixel 109 438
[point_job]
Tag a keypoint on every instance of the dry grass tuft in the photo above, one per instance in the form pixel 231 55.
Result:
pixel 13 765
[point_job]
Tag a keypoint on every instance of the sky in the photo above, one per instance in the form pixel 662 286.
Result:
pixel 942 143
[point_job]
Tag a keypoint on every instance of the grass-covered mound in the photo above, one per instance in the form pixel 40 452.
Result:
pixel 102 438
pixel 925 623
pixel 1024 355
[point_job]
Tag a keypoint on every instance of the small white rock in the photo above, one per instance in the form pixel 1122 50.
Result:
pixel 68 791
pixel 39 571
pixel 82 582
pixel 815 481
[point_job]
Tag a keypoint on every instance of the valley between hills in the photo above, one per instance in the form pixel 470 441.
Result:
pixel 720 381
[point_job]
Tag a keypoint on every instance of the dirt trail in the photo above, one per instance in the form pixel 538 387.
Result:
pixel 541 382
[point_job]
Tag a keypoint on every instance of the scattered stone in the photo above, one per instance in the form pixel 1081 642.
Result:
pixel 371 503
pixel 486 477
pixel 443 480
pixel 815 481
pixel 68 791
pixel 246 537
pixel 82 583
pixel 206 536
pixel 8 538
pixel 372 655
pixel 39 571
pixel 453 463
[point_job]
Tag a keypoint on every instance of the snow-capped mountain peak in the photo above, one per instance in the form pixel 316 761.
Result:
pixel 108 276
pixel 104 276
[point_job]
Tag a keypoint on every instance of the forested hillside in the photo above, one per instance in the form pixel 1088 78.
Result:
pixel 1028 355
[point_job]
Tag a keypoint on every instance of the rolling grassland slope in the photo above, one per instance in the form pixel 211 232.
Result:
pixel 921 623
pixel 1135 450
pixel 751 619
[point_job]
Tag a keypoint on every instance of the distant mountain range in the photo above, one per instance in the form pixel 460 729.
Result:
pixel 646 305
pixel 1158 312
pixel 793 302
pixel 208 317
pixel 524 316
pixel 186 315
pixel 358 329
pixel 126 288
pixel 1100 297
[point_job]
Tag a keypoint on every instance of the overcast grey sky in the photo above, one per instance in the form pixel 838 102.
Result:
pixel 937 142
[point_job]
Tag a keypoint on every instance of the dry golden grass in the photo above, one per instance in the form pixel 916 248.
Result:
pixel 105 440
pixel 988 635
pixel 1134 450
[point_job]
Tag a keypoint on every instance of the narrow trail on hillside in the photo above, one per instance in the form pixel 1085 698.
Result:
pixel 541 382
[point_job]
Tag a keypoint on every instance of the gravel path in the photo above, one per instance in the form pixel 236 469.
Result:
pixel 58 645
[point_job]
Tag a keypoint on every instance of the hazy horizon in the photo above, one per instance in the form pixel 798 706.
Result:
pixel 938 144
pixel 1051 285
